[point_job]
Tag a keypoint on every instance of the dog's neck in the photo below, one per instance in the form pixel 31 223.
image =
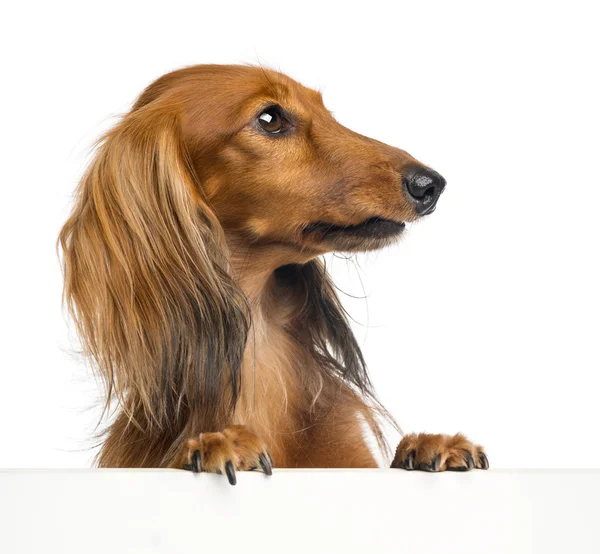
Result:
pixel 270 397
pixel 254 265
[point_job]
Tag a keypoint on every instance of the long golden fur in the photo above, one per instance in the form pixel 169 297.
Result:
pixel 192 271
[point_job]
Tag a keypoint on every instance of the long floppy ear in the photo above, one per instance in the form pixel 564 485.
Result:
pixel 147 279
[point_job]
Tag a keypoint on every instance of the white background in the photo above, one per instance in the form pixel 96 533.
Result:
pixel 484 319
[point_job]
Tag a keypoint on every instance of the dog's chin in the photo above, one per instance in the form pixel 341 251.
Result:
pixel 371 234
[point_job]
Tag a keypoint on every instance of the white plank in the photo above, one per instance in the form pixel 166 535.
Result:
pixel 165 511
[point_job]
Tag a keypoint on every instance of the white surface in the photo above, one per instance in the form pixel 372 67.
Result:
pixel 327 511
pixel 483 320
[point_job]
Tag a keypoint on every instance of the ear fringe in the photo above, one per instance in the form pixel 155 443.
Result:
pixel 148 284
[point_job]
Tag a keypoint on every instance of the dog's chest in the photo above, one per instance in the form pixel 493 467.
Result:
pixel 271 394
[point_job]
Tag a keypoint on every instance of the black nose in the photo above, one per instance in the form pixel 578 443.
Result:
pixel 424 187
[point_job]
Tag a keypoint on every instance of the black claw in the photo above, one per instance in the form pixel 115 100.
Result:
pixel 196 467
pixel 483 461
pixel 470 462
pixel 230 473
pixel 457 468
pixel 265 464
pixel 432 467
pixel 410 460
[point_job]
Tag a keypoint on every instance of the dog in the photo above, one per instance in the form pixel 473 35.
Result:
pixel 193 272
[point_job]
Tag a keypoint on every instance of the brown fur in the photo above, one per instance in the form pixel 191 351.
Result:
pixel 439 453
pixel 195 283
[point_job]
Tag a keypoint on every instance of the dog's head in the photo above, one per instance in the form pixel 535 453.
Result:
pixel 208 156
pixel 276 167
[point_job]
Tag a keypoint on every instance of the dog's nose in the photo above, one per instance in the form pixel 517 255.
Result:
pixel 424 187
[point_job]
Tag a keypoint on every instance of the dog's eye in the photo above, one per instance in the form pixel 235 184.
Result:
pixel 271 121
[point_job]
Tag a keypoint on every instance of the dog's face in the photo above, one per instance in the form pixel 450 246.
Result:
pixel 276 167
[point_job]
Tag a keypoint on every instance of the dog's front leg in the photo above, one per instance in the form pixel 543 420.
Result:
pixel 429 452
pixel 236 448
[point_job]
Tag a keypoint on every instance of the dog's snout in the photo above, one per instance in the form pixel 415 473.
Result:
pixel 424 187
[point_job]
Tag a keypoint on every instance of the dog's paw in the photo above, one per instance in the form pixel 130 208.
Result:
pixel 428 452
pixel 235 449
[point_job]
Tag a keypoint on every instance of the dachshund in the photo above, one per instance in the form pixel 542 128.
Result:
pixel 193 271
